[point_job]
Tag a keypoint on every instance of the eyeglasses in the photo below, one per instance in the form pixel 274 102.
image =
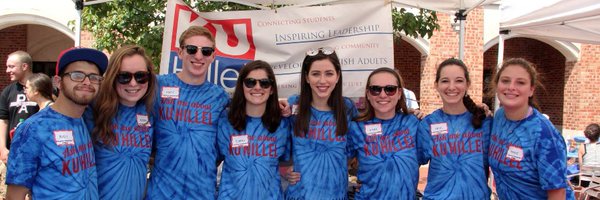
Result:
pixel 390 90
pixel 324 50
pixel 140 77
pixel 206 51
pixel 264 83
pixel 78 76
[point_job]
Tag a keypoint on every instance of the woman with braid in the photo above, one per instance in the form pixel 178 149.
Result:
pixel 454 139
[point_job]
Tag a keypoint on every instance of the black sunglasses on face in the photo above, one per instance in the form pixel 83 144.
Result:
pixel 78 76
pixel 140 77
pixel 264 83
pixel 206 51
pixel 390 90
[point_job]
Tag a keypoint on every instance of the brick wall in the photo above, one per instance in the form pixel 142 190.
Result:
pixel 582 90
pixel 550 65
pixel 11 39
pixel 408 60
pixel 443 45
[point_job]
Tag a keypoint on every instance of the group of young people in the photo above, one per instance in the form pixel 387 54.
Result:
pixel 190 125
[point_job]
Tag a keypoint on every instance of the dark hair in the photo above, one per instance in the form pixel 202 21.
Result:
pixel 335 100
pixel 41 83
pixel 533 76
pixel 107 101
pixel 592 132
pixel 478 114
pixel 237 111
pixel 369 112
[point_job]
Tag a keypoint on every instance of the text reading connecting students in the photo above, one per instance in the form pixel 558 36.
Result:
pixel 122 126
pixel 253 137
pixel 527 154
pixel 319 152
pixel 383 138
pixel 455 139
pixel 185 128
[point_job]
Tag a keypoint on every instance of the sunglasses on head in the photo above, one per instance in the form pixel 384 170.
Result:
pixel 324 50
pixel 390 90
pixel 140 77
pixel 206 51
pixel 264 83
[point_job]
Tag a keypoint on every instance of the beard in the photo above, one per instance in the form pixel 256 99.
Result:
pixel 79 100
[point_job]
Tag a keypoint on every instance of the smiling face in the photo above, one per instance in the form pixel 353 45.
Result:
pixel 452 85
pixel 130 93
pixel 257 96
pixel 196 64
pixel 514 87
pixel 383 104
pixel 322 79
pixel 15 68
pixel 81 93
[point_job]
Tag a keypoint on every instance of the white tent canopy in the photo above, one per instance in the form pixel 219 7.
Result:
pixel 566 20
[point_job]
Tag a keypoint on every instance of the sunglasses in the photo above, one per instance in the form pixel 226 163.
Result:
pixel 78 76
pixel 324 50
pixel 206 51
pixel 264 83
pixel 390 90
pixel 140 77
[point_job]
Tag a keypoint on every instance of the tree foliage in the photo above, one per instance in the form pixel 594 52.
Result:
pixel 121 22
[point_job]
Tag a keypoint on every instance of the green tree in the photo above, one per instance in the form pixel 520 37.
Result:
pixel 121 22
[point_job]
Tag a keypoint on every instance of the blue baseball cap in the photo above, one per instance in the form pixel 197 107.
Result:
pixel 74 54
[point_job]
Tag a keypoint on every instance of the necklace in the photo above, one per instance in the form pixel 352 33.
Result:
pixel 515 124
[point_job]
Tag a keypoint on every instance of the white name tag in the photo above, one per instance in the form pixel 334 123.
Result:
pixel 295 109
pixel 239 140
pixel 64 138
pixel 373 129
pixel 515 153
pixel 142 120
pixel 170 92
pixel 439 128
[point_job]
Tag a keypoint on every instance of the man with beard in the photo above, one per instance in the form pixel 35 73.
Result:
pixel 52 154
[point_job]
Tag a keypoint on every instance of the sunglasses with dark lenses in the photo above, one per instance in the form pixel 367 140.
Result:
pixel 390 90
pixel 140 77
pixel 324 50
pixel 206 51
pixel 78 76
pixel 264 83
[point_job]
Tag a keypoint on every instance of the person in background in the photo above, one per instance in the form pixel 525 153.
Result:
pixel 122 124
pixel 455 139
pixel 14 107
pixel 589 154
pixel 53 156
pixel 187 109
pixel 253 122
pixel 319 154
pixel 409 95
pixel 527 154
pixel 38 89
pixel 383 138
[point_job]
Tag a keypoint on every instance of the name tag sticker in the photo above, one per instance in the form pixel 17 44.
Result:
pixel 373 129
pixel 515 153
pixel 439 128
pixel 170 92
pixel 142 120
pixel 239 140
pixel 295 109
pixel 64 138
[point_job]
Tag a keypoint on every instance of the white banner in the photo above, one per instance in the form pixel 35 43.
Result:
pixel 361 34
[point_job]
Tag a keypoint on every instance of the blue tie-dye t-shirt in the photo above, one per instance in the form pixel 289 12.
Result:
pixel 250 169
pixel 320 157
pixel 185 139
pixel 457 156
pixel 122 166
pixel 387 157
pixel 53 155
pixel 528 157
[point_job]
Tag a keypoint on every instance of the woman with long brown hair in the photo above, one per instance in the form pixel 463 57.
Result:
pixel 122 127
